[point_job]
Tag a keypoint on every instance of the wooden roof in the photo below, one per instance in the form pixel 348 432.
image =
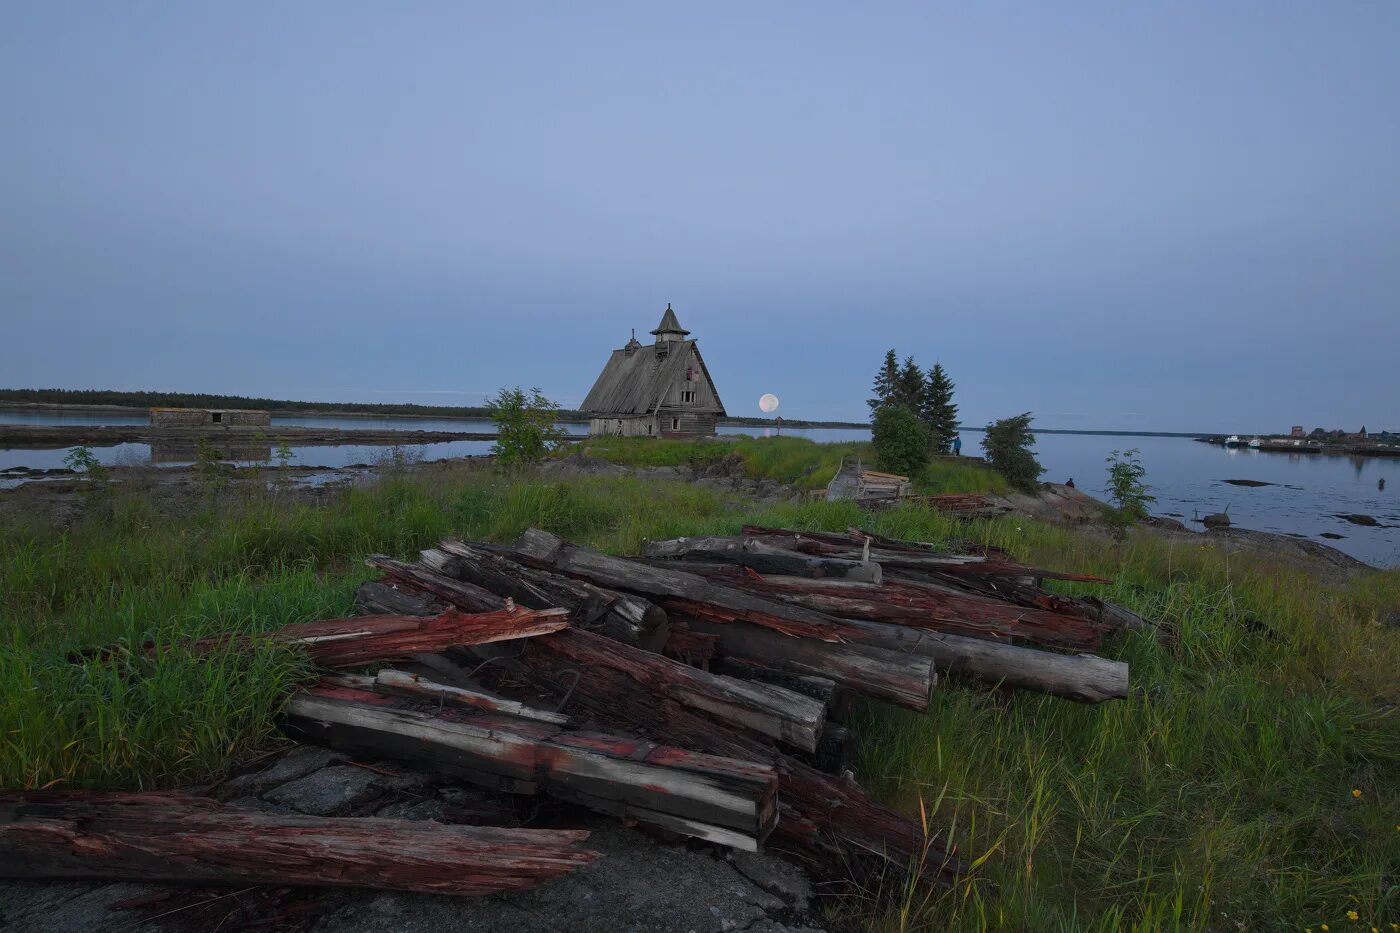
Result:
pixel 634 381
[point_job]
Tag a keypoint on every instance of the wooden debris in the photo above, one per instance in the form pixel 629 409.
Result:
pixel 174 838
pixel 714 798
pixel 620 616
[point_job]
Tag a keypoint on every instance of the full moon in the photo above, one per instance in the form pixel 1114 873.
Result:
pixel 768 403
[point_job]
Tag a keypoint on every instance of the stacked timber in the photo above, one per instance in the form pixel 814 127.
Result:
pixel 741 648
pixel 697 689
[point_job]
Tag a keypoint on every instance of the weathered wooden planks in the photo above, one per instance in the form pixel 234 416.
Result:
pixel 175 838
pixel 721 799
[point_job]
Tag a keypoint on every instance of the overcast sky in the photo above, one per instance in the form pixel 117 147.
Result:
pixel 1173 216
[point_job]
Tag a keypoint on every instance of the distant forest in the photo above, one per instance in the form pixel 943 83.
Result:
pixel 204 400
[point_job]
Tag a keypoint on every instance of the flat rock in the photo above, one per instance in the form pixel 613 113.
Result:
pixel 1358 519
pixel 638 886
pixel 775 876
pixel 327 792
pixel 299 762
pixel 1247 482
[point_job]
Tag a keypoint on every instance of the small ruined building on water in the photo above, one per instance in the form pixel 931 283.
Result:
pixel 207 417
pixel 655 390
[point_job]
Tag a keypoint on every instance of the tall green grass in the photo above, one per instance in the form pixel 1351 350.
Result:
pixel 1219 796
pixel 795 461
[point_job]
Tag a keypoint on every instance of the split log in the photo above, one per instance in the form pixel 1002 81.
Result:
pixel 765 709
pixel 362 639
pixel 391 682
pixel 924 605
pixel 193 840
pixel 620 616
pixel 764 557
pixel 898 677
pixel 714 798
pixel 1083 677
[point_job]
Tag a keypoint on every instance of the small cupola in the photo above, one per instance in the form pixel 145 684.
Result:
pixel 670 329
pixel 633 344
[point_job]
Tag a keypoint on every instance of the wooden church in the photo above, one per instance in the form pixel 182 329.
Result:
pixel 656 390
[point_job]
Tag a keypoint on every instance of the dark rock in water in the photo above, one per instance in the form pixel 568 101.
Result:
pixel 1216 520
pixel 1174 514
pixel 1248 482
pixel 1332 535
pixel 1366 520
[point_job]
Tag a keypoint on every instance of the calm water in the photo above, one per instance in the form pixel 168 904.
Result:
pixel 1188 478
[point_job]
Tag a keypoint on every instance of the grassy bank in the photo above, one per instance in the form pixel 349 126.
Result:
pixel 796 461
pixel 1221 796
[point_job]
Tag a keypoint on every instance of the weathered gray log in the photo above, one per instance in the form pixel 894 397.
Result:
pixel 764 558
pixel 463 595
pixel 898 677
pixel 392 682
pixel 375 597
pixel 762 708
pixel 818 688
pixel 540 548
pixel 1083 677
pixel 194 840
pixel 620 616
pixel 718 799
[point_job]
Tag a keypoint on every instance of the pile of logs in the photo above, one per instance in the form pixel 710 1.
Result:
pixel 696 689
pixel 734 655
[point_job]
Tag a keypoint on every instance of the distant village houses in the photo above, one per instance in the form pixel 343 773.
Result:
pixel 655 390
pixel 204 417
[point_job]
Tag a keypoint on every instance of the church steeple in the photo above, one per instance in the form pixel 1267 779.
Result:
pixel 669 329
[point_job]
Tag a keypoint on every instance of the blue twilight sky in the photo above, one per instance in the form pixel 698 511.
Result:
pixel 1175 216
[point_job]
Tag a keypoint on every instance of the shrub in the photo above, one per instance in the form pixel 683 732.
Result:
pixel 1127 491
pixel 901 442
pixel 1008 445
pixel 524 425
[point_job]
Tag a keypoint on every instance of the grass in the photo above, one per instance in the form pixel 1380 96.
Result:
pixel 1220 796
pixel 795 461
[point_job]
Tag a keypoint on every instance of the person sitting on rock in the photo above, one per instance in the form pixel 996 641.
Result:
pixel 1070 482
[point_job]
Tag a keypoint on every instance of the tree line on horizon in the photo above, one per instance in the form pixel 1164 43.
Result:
pixel 147 399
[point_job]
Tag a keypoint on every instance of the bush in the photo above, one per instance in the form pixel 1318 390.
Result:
pixel 524 425
pixel 1127 491
pixel 901 441
pixel 1008 445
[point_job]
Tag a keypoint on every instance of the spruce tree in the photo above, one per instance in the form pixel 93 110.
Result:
pixel 909 386
pixel 937 411
pixel 885 382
